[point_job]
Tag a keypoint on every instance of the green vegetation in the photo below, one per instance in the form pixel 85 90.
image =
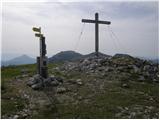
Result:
pixel 95 102
pixel 12 101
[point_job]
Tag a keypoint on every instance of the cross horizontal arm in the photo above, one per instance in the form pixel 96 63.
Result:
pixel 88 21
pixel 93 21
pixel 104 22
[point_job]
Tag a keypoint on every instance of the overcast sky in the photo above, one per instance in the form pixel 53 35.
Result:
pixel 135 25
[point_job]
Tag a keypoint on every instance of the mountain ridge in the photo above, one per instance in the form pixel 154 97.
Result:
pixel 20 60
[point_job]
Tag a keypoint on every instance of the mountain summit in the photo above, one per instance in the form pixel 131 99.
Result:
pixel 65 56
pixel 24 59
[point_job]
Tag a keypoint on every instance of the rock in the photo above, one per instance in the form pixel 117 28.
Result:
pixel 59 79
pixel 25 75
pixel 136 69
pixel 37 76
pixel 141 78
pixel 24 115
pixel 125 85
pixel 80 98
pixel 54 83
pixel 72 81
pixel 15 117
pixel 47 81
pixel 24 71
pixel 155 80
pixel 79 81
pixel 37 86
pixel 26 96
pixel 32 81
pixel 61 90
pixel 108 69
pixel 146 67
pixel 52 77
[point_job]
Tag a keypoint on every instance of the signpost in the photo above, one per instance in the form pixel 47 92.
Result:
pixel 42 59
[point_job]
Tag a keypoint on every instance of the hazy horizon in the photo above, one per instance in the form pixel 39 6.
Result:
pixel 134 23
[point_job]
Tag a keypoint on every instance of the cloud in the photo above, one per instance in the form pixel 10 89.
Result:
pixel 135 24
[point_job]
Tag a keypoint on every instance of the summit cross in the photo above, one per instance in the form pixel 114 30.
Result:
pixel 97 22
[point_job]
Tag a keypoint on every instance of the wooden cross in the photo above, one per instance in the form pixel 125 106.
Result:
pixel 97 22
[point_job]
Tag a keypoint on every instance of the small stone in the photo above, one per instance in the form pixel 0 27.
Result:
pixel 80 98
pixel 151 99
pixel 79 81
pixel 61 90
pixel 25 75
pixel 124 85
pixel 32 81
pixel 155 80
pixel 15 117
pixel 37 86
pixel 52 77
pixel 55 83
pixel 141 78
pixel 146 67
pixel 24 115
pixel 126 108
pixel 59 79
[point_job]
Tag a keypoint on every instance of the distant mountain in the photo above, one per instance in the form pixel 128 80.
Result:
pixel 24 59
pixel 65 56
pixel 91 55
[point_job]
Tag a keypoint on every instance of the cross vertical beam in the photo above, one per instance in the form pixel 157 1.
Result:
pixel 96 34
pixel 97 22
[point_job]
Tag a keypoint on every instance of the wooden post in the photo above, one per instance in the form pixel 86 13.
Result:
pixel 42 59
pixel 96 35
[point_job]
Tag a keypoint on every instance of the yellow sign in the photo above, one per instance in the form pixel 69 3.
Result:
pixel 38 35
pixel 36 29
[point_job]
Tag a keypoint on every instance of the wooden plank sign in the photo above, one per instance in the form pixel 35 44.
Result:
pixel 38 35
pixel 36 29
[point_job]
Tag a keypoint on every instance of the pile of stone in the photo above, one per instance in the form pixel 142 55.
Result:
pixel 37 82
pixel 119 63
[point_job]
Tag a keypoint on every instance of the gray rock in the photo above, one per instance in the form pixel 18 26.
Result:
pixel 141 78
pixel 24 71
pixel 61 90
pixel 32 81
pixel 59 79
pixel 25 75
pixel 47 81
pixel 125 85
pixel 79 81
pixel 54 83
pixel 52 77
pixel 146 67
pixel 37 86
pixel 15 117
pixel 155 80
pixel 136 69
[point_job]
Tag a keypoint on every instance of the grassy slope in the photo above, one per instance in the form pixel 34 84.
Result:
pixel 103 104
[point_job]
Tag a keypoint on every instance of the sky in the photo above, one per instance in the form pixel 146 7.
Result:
pixel 133 29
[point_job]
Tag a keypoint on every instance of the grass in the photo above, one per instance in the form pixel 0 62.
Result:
pixel 11 101
pixel 101 105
